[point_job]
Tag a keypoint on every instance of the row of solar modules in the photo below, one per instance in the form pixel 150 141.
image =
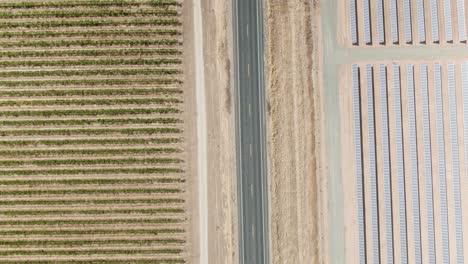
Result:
pixel 411 175
pixel 387 22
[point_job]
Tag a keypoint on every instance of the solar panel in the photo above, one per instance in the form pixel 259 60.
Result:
pixel 353 21
pixel 464 72
pixel 367 23
pixel 455 161
pixel 421 26
pixel 380 22
pixel 428 163
pixel 465 107
pixel 461 20
pixel 399 163
pixel 358 157
pixel 394 20
pixel 386 164
pixel 407 13
pixel 434 21
pixel 413 152
pixel 372 161
pixel 448 20
pixel 441 153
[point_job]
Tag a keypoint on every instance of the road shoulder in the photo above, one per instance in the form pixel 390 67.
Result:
pixel 222 188
pixel 292 82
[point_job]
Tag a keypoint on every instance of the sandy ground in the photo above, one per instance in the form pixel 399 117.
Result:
pixel 220 126
pixel 291 78
pixel 222 218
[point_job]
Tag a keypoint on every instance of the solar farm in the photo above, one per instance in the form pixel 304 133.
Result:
pixel 410 136
pixel 92 154
pixel 404 120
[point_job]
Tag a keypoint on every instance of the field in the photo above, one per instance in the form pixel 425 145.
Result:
pixel 92 159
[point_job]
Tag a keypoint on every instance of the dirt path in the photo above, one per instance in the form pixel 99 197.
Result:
pixel 220 128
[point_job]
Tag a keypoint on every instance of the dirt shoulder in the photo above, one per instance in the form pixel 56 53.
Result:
pixel 292 81
pixel 222 189
pixel 190 135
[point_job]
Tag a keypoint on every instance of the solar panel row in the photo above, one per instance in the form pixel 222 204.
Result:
pixel 440 144
pixel 372 161
pixel 448 20
pixel 455 160
pixel 399 157
pixel 358 155
pixel 413 154
pixel 434 21
pixel 423 21
pixel 394 20
pixel 427 153
pixel 367 22
pixel 386 162
pixel 461 20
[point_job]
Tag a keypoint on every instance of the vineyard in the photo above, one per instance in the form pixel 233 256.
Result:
pixel 92 163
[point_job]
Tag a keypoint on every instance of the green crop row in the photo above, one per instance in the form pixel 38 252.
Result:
pixel 101 171
pixel 89 33
pixel 90 212
pixel 91 202
pixel 54 252
pixel 91 23
pixel 83 62
pixel 101 13
pixel 93 181
pixel 88 242
pixel 135 221
pixel 97 141
pixel 98 181
pixel 90 191
pixel 90 82
pixel 100 102
pixel 128 151
pixel 56 162
pixel 69 132
pixel 93 53
pixel 82 122
pixel 124 72
pixel 87 3
pixel 136 260
pixel 65 232
pixel 91 112
pixel 89 42
pixel 89 92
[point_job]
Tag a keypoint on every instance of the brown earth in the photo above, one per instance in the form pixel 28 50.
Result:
pixel 292 81
pixel 222 196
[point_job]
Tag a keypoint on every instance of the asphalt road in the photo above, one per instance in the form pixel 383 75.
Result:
pixel 251 150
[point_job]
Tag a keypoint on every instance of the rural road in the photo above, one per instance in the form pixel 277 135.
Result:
pixel 251 150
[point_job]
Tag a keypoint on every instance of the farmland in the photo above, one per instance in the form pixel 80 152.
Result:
pixel 92 155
